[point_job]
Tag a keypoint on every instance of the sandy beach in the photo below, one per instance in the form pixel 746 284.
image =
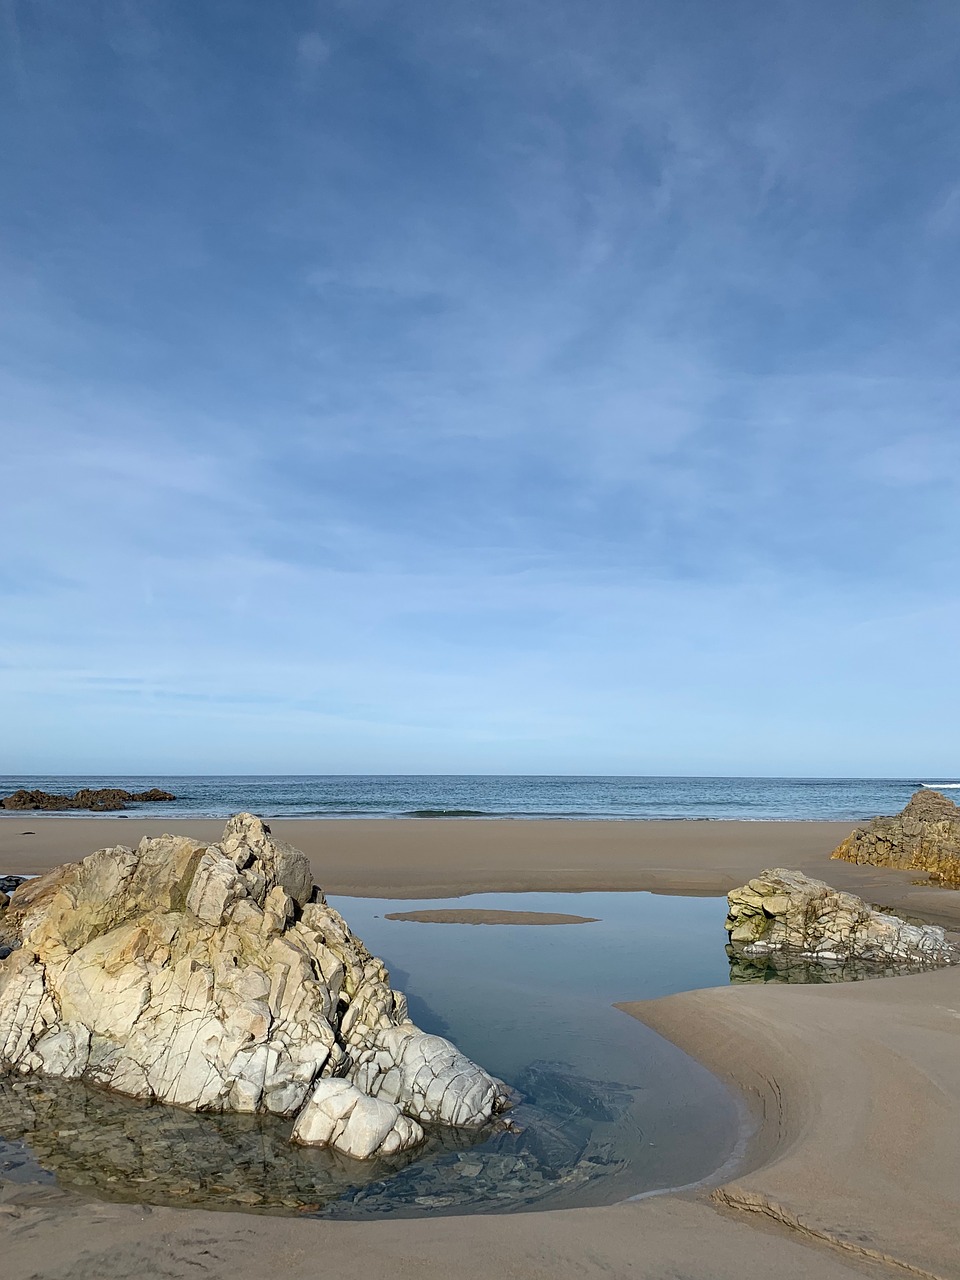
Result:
pixel 851 1159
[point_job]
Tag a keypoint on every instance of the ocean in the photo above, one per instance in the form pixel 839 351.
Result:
pixel 484 796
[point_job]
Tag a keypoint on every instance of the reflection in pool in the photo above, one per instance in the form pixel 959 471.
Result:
pixel 608 1108
pixel 808 970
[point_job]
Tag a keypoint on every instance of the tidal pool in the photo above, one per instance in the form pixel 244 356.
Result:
pixel 607 1108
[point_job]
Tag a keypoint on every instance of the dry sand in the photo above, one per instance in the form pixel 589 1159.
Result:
pixel 478 916
pixel 853 1168
pixel 441 857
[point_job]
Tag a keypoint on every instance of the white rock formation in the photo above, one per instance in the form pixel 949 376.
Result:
pixel 787 911
pixel 218 978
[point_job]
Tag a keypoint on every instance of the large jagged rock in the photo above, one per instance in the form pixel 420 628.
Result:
pixel 218 978
pixel 102 800
pixel 924 836
pixel 786 911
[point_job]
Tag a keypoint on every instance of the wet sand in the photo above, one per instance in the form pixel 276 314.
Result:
pixel 855 1092
pixel 449 857
pixel 468 916
pixel 853 1166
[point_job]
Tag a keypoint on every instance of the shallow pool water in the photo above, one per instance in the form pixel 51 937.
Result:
pixel 607 1108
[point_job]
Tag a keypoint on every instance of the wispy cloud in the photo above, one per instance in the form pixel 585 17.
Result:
pixel 312 52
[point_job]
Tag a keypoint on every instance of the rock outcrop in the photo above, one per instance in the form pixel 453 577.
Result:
pixel 218 978
pixel 786 912
pixel 103 800
pixel 924 836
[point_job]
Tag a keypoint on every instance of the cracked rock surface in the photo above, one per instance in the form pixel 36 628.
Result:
pixel 924 836
pixel 217 977
pixel 341 1115
pixel 786 911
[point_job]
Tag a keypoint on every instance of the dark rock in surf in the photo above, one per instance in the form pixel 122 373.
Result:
pixel 102 800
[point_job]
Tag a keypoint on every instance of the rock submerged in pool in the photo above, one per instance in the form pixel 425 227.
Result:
pixel 121 1149
pixel 788 912
pixel 102 800
pixel 218 978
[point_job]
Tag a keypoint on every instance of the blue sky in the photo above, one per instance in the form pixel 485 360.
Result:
pixel 543 386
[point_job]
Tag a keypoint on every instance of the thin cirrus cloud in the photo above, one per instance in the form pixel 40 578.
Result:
pixel 478 387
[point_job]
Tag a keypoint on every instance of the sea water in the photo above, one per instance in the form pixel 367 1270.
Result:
pixel 484 796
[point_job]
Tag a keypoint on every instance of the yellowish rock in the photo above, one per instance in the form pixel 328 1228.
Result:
pixel 924 836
